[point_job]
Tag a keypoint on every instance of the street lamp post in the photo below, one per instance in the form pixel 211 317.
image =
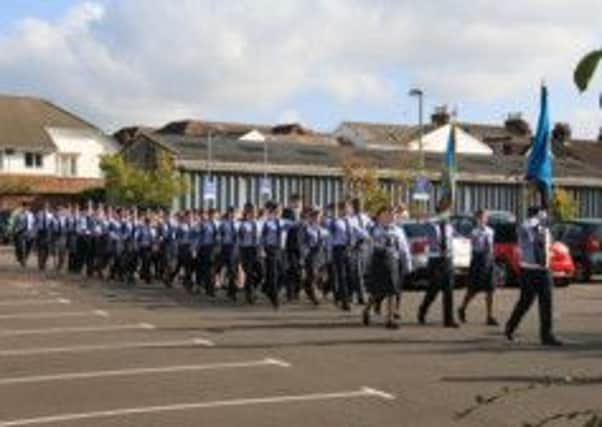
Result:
pixel 418 93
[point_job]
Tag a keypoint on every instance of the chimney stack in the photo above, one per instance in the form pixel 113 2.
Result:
pixel 516 125
pixel 440 116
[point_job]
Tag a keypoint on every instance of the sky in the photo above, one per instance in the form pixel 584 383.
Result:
pixel 318 62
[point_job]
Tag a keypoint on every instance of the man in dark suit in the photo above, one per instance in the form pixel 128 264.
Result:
pixel 292 213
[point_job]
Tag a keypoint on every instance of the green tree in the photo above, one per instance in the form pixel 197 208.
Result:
pixel 362 182
pixel 564 207
pixel 133 186
pixel 586 68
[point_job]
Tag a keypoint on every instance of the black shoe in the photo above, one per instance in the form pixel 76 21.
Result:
pixel 346 306
pixel 509 335
pixel 491 321
pixel 366 318
pixel 452 325
pixel 392 325
pixel 462 315
pixel 396 316
pixel 551 342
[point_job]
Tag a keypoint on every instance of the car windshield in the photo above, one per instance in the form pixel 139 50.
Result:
pixel 417 230
pixel 505 233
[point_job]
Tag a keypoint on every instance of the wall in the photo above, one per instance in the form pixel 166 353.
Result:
pixel 15 164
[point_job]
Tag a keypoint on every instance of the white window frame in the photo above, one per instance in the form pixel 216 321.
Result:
pixel 37 160
pixel 71 164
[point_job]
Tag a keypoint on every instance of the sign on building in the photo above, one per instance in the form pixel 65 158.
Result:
pixel 209 189
pixel 265 187
pixel 421 189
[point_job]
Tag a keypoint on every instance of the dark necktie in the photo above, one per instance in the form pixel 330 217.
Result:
pixel 443 239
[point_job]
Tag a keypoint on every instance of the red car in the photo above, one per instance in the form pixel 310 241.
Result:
pixel 507 254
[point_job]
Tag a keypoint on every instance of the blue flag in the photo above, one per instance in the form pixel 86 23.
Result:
pixel 539 163
pixel 448 178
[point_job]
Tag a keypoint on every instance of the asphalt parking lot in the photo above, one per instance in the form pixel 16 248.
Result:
pixel 77 352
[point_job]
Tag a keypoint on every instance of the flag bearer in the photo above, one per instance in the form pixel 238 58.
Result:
pixel 536 278
pixel 441 271
pixel 480 278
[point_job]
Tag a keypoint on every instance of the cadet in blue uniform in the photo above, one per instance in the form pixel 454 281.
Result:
pixel 24 234
pixel 359 252
pixel 292 213
pixel 535 278
pixel 441 272
pixel 249 245
pixel 314 244
pixel 228 257
pixel 273 238
pixel 207 252
pixel 145 236
pixel 60 232
pixel 480 277
pixel 44 224
pixel 384 278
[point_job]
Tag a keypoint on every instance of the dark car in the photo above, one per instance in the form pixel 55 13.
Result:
pixel 5 225
pixel 584 240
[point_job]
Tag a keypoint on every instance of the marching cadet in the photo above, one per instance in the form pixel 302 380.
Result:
pixel 441 272
pixel 72 222
pixel 44 224
pixel 115 245
pixel 384 278
pixel 359 253
pixel 314 247
pixel 273 238
pixel 480 276
pixel 129 258
pixel 145 236
pixel 207 251
pixel 292 213
pixel 81 245
pixel 24 234
pixel 183 238
pixel 405 259
pixel 89 237
pixel 344 237
pixel 60 237
pixel 248 243
pixel 228 256
pixel 100 239
pixel 536 278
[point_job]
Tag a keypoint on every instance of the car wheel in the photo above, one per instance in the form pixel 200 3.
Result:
pixel 562 283
pixel 582 274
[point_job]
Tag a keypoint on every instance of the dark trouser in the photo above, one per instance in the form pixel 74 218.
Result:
pixel 293 273
pixel 441 278
pixel 130 262
pixel 71 252
pixel 206 268
pixel 145 254
pixel 60 251
pixel 342 274
pixel 90 255
pixel 274 273
pixel 23 245
pixel 534 283
pixel 43 248
pixel 115 260
pixel 313 274
pixel 229 261
pixel 185 262
pixel 81 251
pixel 357 265
pixel 249 260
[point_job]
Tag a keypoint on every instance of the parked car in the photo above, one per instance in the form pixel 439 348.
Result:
pixel 419 234
pixel 5 227
pixel 507 253
pixel 583 238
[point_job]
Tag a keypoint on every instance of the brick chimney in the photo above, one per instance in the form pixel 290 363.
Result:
pixel 562 133
pixel 440 116
pixel 516 125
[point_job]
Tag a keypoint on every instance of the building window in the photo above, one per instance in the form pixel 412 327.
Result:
pixel 34 160
pixel 66 164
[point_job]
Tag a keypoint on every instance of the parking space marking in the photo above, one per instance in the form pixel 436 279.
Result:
pixel 73 330
pixel 70 376
pixel 35 301
pixel 364 392
pixel 195 342
pixel 53 315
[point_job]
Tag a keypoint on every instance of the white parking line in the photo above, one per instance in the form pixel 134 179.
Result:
pixel 35 301
pixel 142 371
pixel 105 347
pixel 72 330
pixel 54 315
pixel 364 392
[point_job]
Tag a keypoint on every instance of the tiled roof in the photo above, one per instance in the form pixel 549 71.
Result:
pixel 23 121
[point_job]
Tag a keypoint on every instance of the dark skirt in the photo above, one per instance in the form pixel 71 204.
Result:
pixel 383 278
pixel 480 275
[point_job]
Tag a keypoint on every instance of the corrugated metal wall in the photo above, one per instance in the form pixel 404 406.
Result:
pixel 237 189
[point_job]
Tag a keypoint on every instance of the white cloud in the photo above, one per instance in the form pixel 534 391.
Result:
pixel 150 61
